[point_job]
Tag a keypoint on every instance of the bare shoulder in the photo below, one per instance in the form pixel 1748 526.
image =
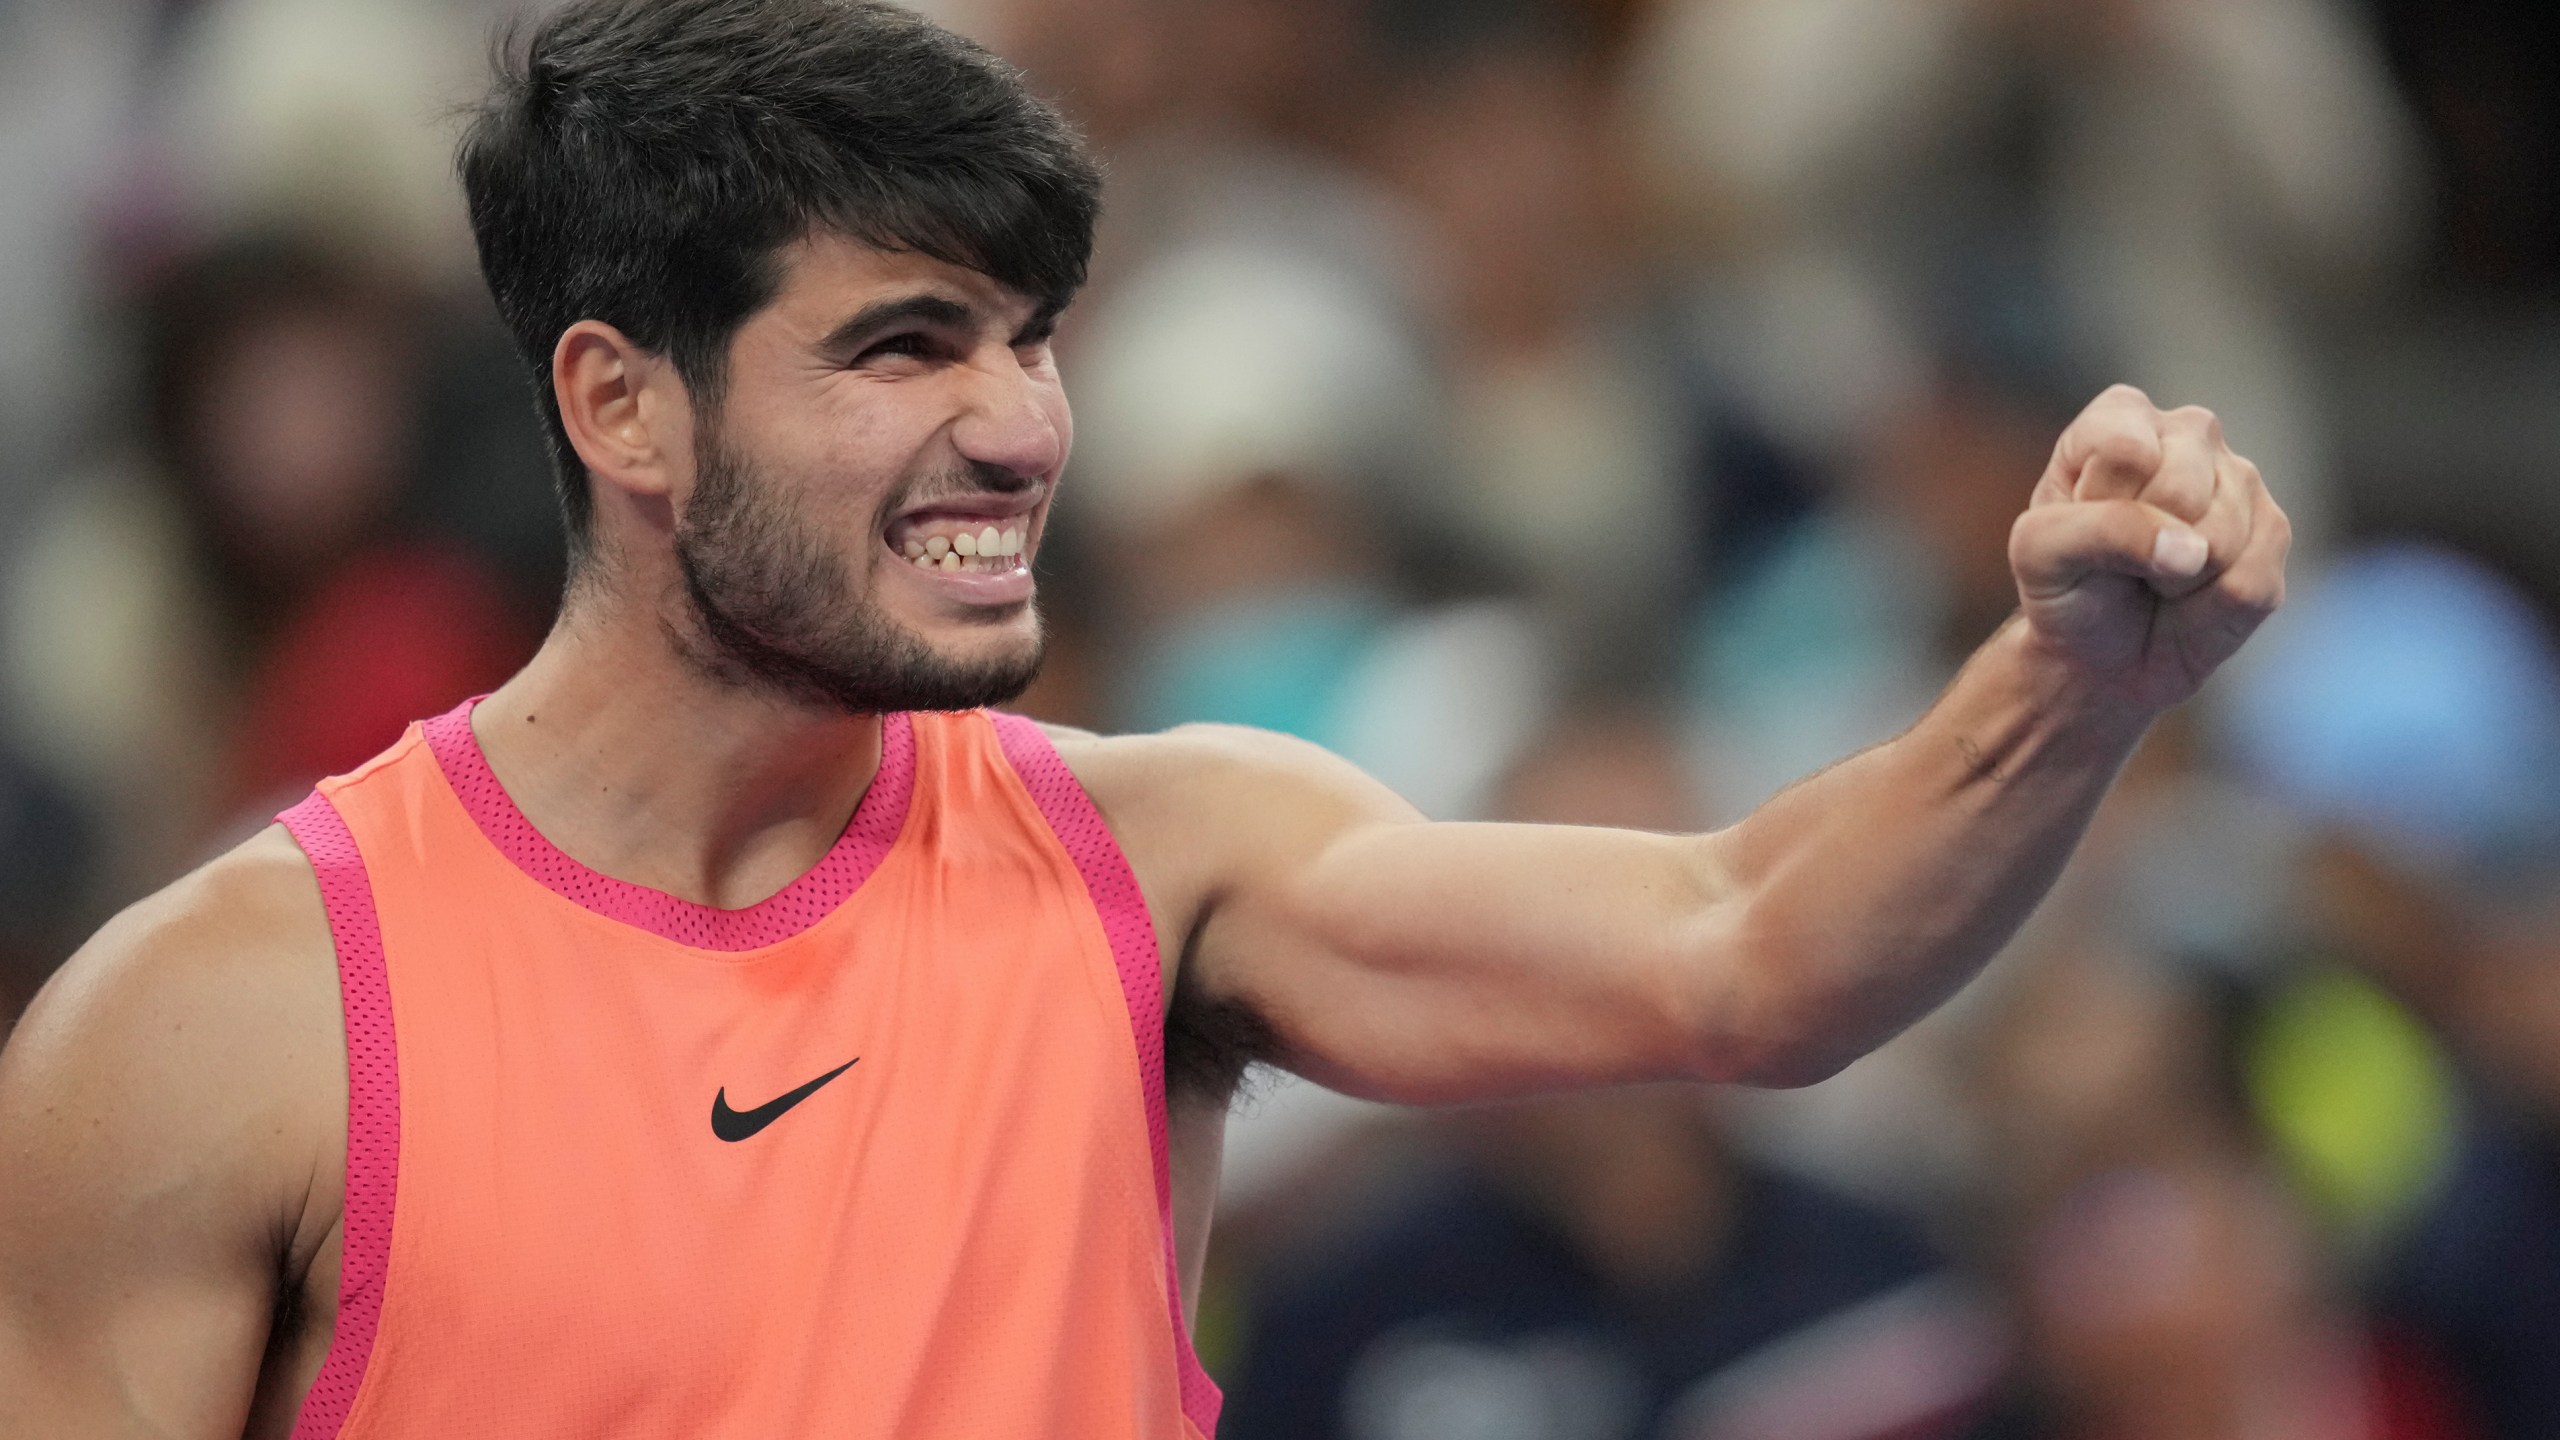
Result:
pixel 194 1040
pixel 1195 776
pixel 1200 810
pixel 236 942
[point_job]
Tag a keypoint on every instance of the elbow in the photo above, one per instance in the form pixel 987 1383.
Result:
pixel 1770 1053
pixel 1756 1015
pixel 1796 1064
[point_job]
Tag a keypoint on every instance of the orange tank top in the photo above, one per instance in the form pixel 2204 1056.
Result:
pixel 883 1156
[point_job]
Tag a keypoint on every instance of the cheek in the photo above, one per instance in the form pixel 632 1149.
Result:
pixel 832 473
pixel 878 438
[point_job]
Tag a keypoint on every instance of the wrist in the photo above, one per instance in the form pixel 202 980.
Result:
pixel 2052 699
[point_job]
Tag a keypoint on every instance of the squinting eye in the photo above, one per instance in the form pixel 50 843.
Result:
pixel 907 344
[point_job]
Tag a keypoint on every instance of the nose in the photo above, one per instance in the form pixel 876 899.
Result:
pixel 1016 417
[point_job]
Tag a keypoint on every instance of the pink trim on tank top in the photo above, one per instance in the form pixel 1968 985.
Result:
pixel 373 1112
pixel 804 902
pixel 1132 932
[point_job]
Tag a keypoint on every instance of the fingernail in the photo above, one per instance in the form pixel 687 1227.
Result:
pixel 2179 551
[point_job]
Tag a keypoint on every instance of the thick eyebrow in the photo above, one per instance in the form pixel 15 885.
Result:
pixel 940 311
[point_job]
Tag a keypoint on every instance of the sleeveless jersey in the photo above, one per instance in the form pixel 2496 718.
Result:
pixel 883 1156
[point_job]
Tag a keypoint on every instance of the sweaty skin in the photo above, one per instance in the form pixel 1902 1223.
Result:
pixel 173 1106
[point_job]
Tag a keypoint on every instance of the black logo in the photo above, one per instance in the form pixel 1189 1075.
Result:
pixel 733 1125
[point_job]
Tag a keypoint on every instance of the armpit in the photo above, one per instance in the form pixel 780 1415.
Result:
pixel 1209 1044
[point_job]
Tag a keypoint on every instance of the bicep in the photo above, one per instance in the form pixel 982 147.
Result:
pixel 139 1233
pixel 1416 961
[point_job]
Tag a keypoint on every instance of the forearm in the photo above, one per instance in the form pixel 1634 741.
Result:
pixel 1862 897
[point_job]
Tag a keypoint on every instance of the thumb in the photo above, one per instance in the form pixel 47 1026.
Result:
pixel 2053 548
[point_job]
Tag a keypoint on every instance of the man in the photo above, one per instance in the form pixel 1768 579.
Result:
pixel 389 1123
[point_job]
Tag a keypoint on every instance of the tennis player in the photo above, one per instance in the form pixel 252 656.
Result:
pixel 732 1028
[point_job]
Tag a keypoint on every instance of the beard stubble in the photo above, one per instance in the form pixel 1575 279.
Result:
pixel 773 609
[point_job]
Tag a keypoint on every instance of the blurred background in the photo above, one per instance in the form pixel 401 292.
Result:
pixel 1591 411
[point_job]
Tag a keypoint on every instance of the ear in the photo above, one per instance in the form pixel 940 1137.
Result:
pixel 626 411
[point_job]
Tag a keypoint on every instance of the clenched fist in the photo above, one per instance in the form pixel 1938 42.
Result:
pixel 2150 550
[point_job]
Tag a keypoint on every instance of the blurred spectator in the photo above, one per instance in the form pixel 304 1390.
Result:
pixel 1107 63
pixel 1839 631
pixel 208 626
pixel 2413 699
pixel 1570 437
pixel 1225 123
pixel 2186 1298
pixel 2165 1282
pixel 2412 704
pixel 1238 506
pixel 2170 182
pixel 2091 1059
pixel 2480 1271
pixel 2206 881
pixel 1607 1265
pixel 287 386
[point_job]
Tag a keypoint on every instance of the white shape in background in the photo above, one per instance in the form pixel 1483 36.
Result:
pixel 1445 700
pixel 1228 362
pixel 1890 1366
pixel 337 116
pixel 1412 1385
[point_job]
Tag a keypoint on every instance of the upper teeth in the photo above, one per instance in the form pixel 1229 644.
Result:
pixel 957 548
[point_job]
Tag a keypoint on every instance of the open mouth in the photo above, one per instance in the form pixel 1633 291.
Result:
pixel 963 544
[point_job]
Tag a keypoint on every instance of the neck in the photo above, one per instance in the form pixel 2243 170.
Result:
pixel 636 764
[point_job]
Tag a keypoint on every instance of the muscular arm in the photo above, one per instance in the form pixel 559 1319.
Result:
pixel 163 1148
pixel 1416 961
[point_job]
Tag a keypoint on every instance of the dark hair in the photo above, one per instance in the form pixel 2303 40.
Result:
pixel 193 317
pixel 642 162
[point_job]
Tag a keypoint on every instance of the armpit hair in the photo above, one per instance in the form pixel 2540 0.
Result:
pixel 1209 1044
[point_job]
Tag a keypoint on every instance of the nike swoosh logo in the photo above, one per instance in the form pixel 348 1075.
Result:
pixel 734 1125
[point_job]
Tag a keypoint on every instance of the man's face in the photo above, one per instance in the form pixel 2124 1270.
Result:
pixel 869 494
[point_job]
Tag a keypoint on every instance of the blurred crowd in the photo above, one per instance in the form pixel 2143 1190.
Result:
pixel 1574 411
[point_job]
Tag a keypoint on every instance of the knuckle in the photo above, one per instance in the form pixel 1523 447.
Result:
pixel 2123 393
pixel 2254 597
pixel 2198 420
pixel 2128 450
pixel 2024 533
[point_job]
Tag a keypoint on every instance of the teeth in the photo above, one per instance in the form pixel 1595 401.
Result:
pixel 986 549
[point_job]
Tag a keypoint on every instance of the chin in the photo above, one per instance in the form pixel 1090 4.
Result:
pixel 984 664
